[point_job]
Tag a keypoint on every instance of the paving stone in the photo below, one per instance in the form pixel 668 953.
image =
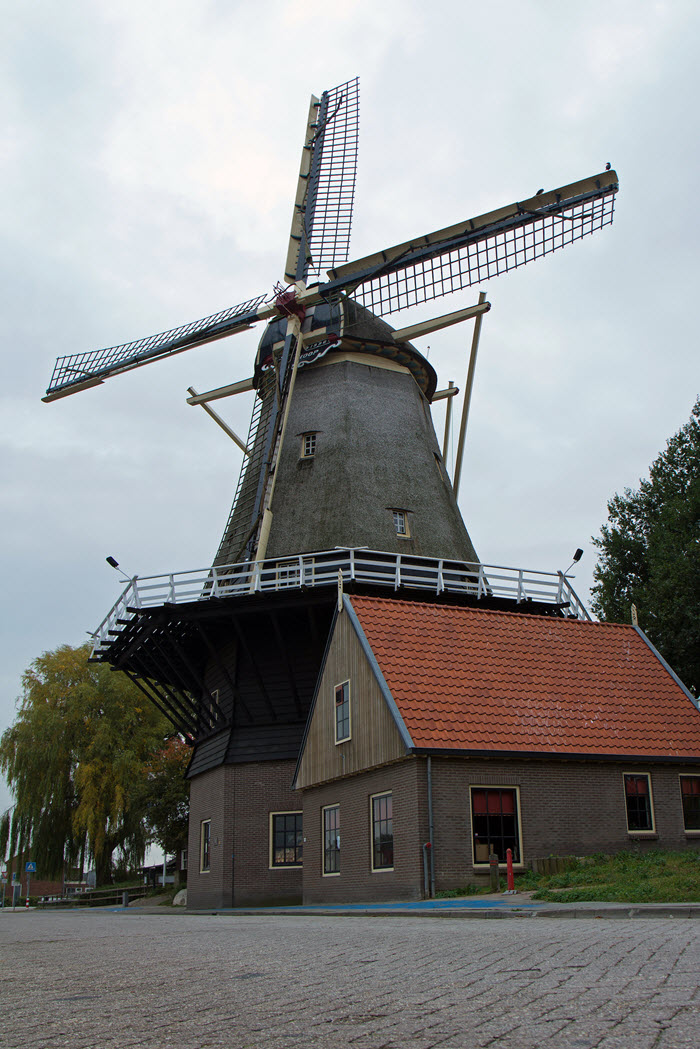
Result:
pixel 136 981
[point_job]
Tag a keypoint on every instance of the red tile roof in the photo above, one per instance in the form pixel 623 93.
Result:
pixel 470 679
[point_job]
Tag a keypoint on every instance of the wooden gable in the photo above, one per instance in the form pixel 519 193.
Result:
pixel 377 733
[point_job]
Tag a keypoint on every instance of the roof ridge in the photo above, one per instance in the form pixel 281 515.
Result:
pixel 530 616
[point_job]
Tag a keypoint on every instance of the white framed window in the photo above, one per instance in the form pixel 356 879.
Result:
pixel 401 525
pixel 211 703
pixel 382 831
pixel 205 847
pixel 286 839
pixel 342 712
pixel 330 816
pixel 295 572
pixel 308 445
pixel 495 813
pixel 639 803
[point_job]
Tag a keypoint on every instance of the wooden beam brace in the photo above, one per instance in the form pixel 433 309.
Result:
pixel 414 331
pixel 285 657
pixel 451 391
pixel 243 386
pixel 235 693
pixel 166 697
pixel 220 422
pixel 249 656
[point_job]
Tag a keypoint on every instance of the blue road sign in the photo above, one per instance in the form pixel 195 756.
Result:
pixel 30 868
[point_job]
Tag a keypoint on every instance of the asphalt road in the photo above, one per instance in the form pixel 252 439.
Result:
pixel 125 979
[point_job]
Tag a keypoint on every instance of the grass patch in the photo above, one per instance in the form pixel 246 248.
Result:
pixel 626 877
pixel 654 876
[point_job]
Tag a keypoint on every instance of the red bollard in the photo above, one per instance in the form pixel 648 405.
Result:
pixel 509 866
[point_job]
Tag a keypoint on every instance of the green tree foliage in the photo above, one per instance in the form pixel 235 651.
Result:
pixel 650 554
pixel 166 796
pixel 77 759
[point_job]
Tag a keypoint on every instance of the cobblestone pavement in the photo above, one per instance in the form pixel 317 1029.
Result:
pixel 89 980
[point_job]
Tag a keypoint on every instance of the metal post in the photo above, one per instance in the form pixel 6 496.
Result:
pixel 467 396
pixel 426 880
pixel 430 827
pixel 510 876
pixel 493 871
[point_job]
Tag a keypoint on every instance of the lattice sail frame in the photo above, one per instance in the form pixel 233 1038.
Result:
pixel 461 256
pixel 328 216
pixel 90 367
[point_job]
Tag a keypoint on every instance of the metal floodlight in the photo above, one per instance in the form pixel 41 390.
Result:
pixel 578 554
pixel 112 561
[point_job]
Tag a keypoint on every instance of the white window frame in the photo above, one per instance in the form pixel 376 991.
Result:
pixel 479 864
pixel 308 444
pixel 372 798
pixel 282 866
pixel 648 830
pixel 202 825
pixel 292 573
pixel 344 685
pixel 690 832
pixel 324 872
pixel 400 519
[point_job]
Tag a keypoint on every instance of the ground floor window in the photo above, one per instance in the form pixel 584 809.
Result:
pixel 495 823
pixel 286 839
pixel 640 815
pixel 382 832
pixel 690 796
pixel 331 839
pixel 204 841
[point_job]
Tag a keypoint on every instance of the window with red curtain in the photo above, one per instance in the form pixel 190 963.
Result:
pixel 638 802
pixel 495 823
pixel 690 796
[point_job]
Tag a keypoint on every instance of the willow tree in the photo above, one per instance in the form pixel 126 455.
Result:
pixel 650 554
pixel 76 758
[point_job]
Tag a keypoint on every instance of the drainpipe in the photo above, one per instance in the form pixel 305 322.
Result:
pixel 430 827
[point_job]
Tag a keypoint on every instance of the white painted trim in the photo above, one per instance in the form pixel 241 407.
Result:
pixel 271 843
pixel 649 830
pixel 379 794
pixel 324 809
pixel 497 786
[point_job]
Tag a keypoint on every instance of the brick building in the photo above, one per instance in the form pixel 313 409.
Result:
pixel 486 730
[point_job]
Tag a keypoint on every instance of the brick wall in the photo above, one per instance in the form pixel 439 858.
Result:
pixel 238 800
pixel 356 880
pixel 566 808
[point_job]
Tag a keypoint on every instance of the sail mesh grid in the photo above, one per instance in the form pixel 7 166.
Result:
pixel 78 367
pixel 480 260
pixel 334 192
pixel 240 518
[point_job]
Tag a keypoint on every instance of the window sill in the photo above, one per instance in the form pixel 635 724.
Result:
pixel 480 868
pixel 692 834
pixel 331 874
pixel 286 867
pixel 382 870
pixel 645 835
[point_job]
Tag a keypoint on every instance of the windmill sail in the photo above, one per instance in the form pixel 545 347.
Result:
pixel 81 370
pixel 478 249
pixel 322 218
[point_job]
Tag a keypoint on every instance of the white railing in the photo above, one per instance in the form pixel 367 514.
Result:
pixel 321 569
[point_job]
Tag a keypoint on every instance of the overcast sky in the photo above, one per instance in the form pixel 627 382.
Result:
pixel 149 157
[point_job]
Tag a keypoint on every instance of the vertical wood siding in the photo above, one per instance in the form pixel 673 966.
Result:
pixel 374 741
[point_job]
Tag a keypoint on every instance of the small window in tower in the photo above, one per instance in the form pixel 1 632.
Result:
pixel 308 445
pixel 400 518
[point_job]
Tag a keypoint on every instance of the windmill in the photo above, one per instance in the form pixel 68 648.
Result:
pixel 342 475
pixel 308 314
